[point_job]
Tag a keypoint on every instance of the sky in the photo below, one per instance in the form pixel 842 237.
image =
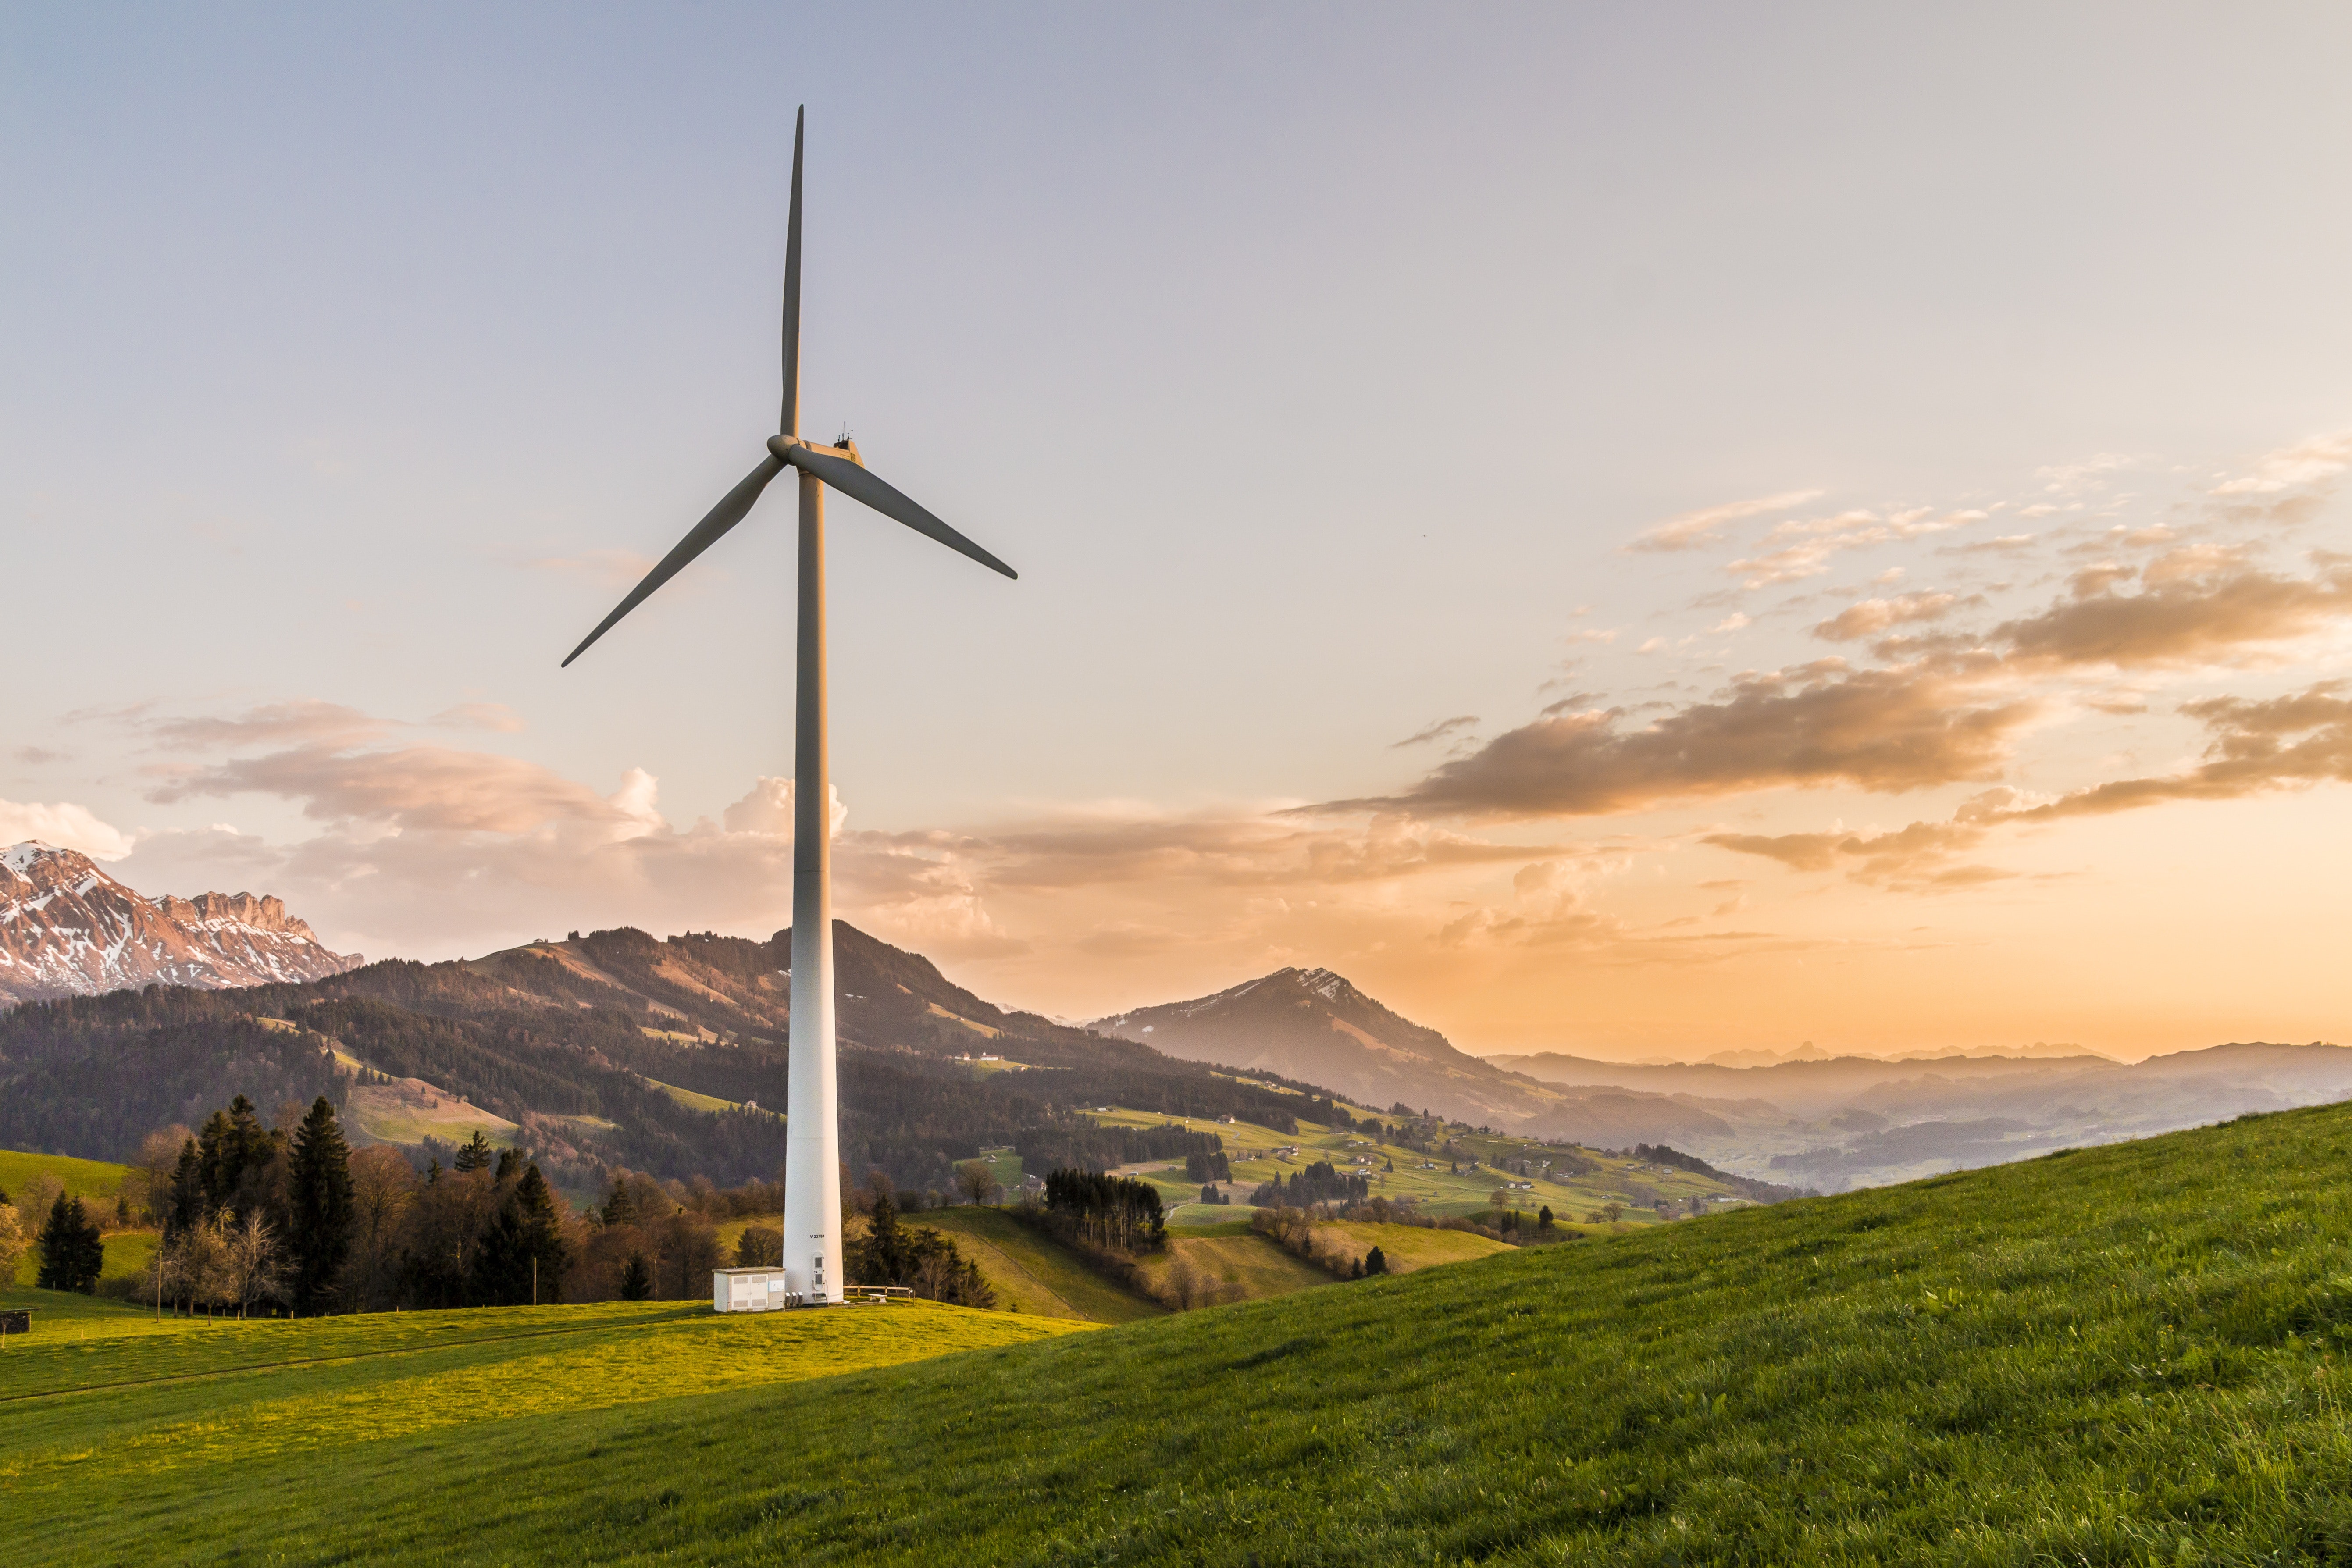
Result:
pixel 1629 530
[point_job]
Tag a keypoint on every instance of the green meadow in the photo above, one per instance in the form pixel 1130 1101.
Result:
pixel 2119 1355
pixel 1436 1190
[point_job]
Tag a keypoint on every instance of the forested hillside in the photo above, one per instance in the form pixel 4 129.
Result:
pixel 582 1043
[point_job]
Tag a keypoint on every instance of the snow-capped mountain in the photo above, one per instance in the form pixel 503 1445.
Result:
pixel 69 929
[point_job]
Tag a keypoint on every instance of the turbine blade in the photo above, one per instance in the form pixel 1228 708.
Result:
pixel 853 481
pixel 706 533
pixel 789 424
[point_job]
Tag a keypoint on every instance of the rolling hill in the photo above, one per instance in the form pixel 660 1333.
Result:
pixel 2121 1356
pixel 1835 1123
pixel 614 1047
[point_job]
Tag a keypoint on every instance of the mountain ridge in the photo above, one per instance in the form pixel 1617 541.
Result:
pixel 67 928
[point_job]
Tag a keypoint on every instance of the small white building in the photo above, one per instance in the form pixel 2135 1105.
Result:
pixel 751 1290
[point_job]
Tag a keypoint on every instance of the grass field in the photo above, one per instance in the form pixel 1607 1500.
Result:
pixel 82 1178
pixel 2127 1354
pixel 1250 1267
pixel 99 1184
pixel 1032 1273
pixel 1408 1247
pixel 1438 1191
pixel 171 1411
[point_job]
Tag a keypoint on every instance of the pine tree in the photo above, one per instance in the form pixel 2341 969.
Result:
pixel 619 1208
pixel 637 1279
pixel 187 1210
pixel 544 1229
pixel 1376 1262
pixel 475 1153
pixel 319 1227
pixel 73 1254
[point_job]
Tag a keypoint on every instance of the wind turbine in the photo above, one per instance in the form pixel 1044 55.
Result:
pixel 813 1253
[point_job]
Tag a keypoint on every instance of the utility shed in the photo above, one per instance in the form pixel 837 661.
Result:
pixel 751 1290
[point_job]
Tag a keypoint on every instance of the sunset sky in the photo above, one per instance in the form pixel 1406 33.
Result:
pixel 1634 530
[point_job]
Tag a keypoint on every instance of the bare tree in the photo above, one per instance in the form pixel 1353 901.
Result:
pixel 13 1242
pixel 249 1265
pixel 150 1183
pixel 977 1182
pixel 383 1189
pixel 35 1198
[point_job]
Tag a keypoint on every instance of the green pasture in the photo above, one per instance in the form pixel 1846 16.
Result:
pixel 694 1101
pixel 85 1179
pixel 1250 1267
pixel 1439 1193
pixel 1408 1247
pixel 1034 1273
pixel 2128 1354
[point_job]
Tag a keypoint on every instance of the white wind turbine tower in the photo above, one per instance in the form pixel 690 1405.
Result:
pixel 812 1135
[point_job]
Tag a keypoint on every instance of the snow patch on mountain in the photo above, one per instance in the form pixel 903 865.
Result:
pixel 67 928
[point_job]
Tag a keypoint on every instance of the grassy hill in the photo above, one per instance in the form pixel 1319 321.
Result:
pixel 1254 1152
pixel 1034 1273
pixel 96 1182
pixel 2121 1356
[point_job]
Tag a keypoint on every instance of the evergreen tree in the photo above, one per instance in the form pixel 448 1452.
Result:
pixel 72 1252
pixel 1356 1269
pixel 187 1207
pixel 319 1222
pixel 619 1208
pixel 1543 1217
pixel 509 1163
pixel 637 1279
pixel 475 1153
pixel 522 1255
pixel 1376 1262
pixel 233 1150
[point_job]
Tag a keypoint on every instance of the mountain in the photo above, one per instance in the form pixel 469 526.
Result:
pixel 69 929
pixel 613 1049
pixel 1849 1121
pixel 1313 1024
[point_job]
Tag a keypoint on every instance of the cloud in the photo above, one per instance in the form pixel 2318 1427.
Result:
pixel 2196 607
pixel 1822 724
pixel 1437 732
pixel 1808 545
pixel 2304 466
pixel 1872 617
pixel 2255 746
pixel 432 789
pixel 496 716
pixel 767 809
pixel 1260 852
pixel 2070 478
pixel 610 568
pixel 305 723
pixel 1697 530
pixel 63 825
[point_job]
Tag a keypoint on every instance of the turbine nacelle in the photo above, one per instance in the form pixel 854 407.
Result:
pixel 781 445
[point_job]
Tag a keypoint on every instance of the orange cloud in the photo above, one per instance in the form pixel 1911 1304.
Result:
pixel 1821 723
pixel 2192 610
